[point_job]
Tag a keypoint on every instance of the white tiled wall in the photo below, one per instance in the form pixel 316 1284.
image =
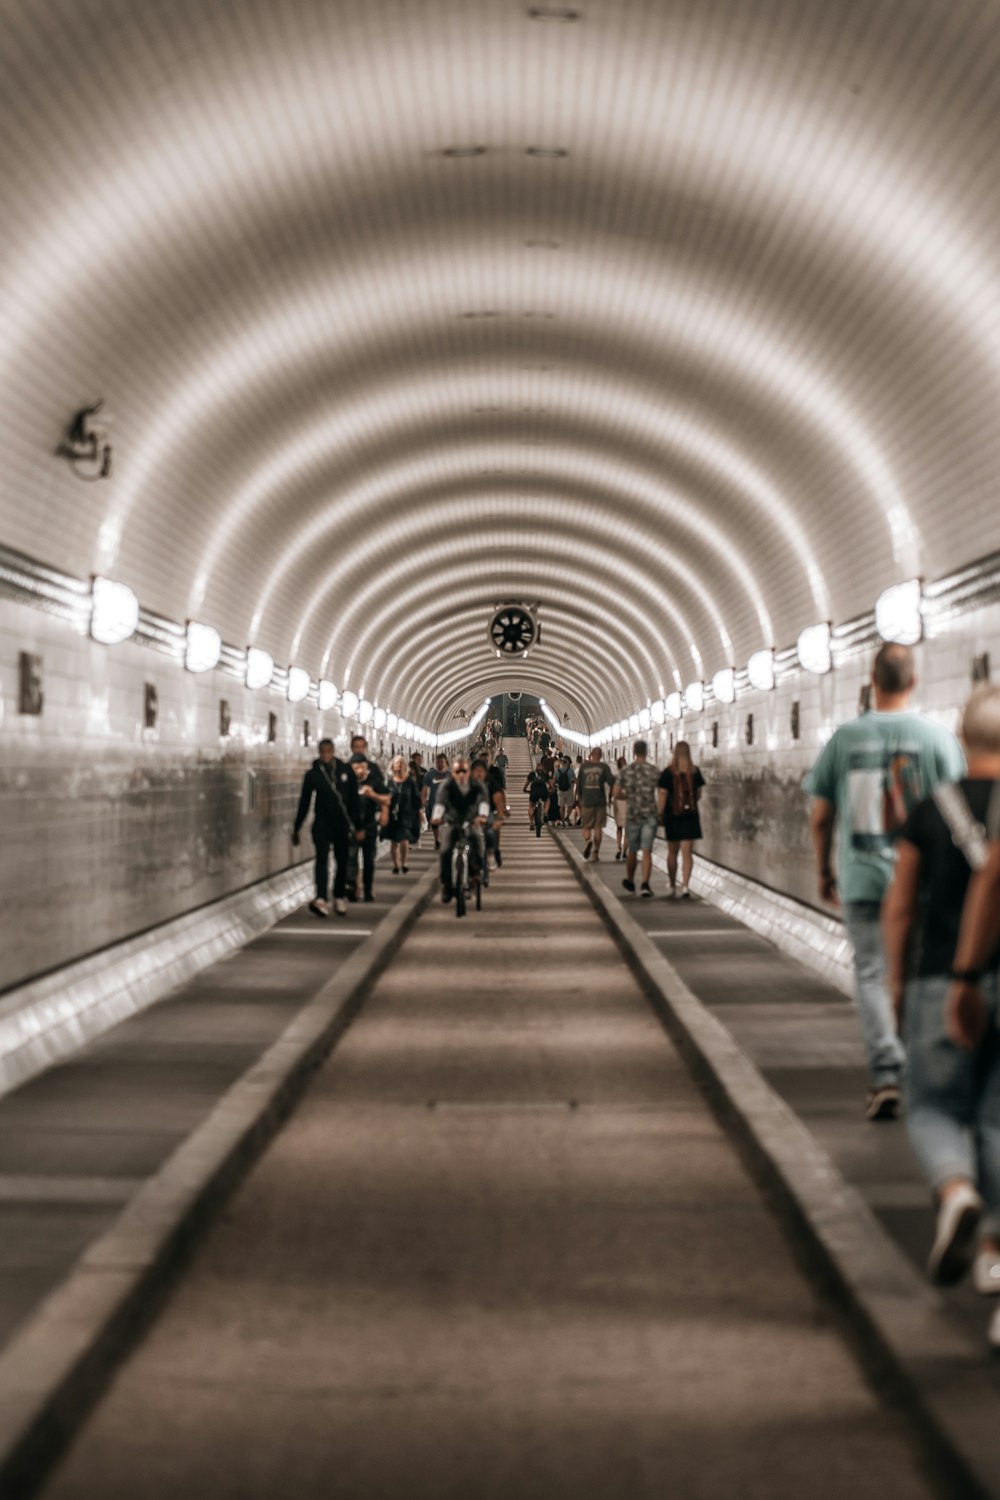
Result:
pixel 108 827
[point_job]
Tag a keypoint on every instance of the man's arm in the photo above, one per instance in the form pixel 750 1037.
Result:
pixel 305 798
pixel 821 823
pixel 965 1010
pixel 897 920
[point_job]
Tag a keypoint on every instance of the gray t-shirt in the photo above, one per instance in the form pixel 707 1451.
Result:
pixel 593 782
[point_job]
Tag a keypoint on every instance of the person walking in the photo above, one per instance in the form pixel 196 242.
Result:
pixel 374 809
pixel 336 824
pixel 375 781
pixel 952 1091
pixel 403 827
pixel 500 764
pixel 595 780
pixel 433 781
pixel 619 810
pixel 638 784
pixel 677 798
pixel 565 789
pixel 869 777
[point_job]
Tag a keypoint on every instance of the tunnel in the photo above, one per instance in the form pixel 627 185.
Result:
pixel 499 586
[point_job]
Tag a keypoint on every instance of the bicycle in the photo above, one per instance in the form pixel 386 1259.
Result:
pixel 464 880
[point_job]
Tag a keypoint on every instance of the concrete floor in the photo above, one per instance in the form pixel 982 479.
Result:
pixel 79 1140
pixel 501 1250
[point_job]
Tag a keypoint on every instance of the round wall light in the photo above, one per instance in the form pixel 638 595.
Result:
pixel 260 668
pixel 379 717
pixel 657 711
pixel 328 695
pixel 349 704
pixel 724 686
pixel 813 648
pixel 203 647
pixel 760 670
pixel 366 711
pixel 694 697
pixel 897 613
pixel 672 704
pixel 114 612
pixel 298 684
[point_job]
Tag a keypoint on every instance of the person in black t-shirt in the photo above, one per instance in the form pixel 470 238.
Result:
pixel 460 800
pixel 953 1094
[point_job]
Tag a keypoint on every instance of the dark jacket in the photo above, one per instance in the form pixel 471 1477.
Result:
pixel 335 788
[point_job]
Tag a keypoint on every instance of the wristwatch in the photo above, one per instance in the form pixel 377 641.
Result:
pixel 967 976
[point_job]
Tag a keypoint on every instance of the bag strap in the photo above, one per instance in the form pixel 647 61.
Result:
pixel 967 833
pixel 332 780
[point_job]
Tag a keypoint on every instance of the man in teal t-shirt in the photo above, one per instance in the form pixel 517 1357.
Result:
pixel 868 778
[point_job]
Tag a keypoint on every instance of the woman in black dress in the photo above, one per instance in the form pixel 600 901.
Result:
pixel 404 814
pixel 678 797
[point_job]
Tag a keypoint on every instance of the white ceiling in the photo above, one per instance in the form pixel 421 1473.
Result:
pixel 729 366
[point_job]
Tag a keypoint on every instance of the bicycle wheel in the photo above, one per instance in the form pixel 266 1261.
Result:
pixel 479 895
pixel 459 876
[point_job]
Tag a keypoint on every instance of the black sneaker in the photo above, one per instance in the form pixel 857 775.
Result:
pixel 369 896
pixel 499 859
pixel 646 889
pixel 884 1103
pixel 629 885
pixel 586 851
pixel 352 896
pixel 446 896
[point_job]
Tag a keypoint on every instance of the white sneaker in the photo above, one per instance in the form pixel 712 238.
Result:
pixel 319 908
pixel 672 893
pixel 955 1242
pixel 340 907
pixel 986 1273
pixel 685 893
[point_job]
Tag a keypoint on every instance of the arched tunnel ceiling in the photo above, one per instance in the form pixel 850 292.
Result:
pixel 679 318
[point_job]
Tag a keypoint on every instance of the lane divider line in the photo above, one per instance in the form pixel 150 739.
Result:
pixel 56 1367
pixel 903 1325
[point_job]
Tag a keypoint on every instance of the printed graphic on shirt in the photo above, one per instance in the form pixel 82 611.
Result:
pixel 883 787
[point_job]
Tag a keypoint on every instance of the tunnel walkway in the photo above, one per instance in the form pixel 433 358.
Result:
pixel 502 1248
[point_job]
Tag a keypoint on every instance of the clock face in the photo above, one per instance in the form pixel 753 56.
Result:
pixel 512 630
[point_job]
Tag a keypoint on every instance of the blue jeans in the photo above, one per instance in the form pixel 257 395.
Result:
pixel 953 1097
pixel 885 1051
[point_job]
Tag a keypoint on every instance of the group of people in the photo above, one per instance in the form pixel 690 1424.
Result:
pixel 356 804
pixel 643 799
pixel 905 826
pixel 914 818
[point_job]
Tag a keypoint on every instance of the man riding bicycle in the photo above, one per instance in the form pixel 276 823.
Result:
pixel 539 789
pixel 460 801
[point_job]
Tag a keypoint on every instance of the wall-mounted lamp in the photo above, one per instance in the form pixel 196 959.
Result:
pixel 724 685
pixel 298 684
pixel 87 445
pixel 260 667
pixel 694 697
pixel 760 670
pixel 203 647
pixel 328 695
pixel 114 612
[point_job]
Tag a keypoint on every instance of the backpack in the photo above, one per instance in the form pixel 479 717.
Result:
pixel 563 780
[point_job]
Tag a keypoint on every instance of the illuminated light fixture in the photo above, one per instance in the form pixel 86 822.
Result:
pixel 349 704
pixel 672 704
pixel 298 684
pixel 203 647
pixel 645 719
pixel 760 670
pixel 813 648
pixel 378 718
pixel 114 612
pixel 658 711
pixel 694 697
pixel 633 723
pixel 328 695
pixel 366 711
pixel 392 723
pixel 897 613
pixel 724 685
pixel 260 667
